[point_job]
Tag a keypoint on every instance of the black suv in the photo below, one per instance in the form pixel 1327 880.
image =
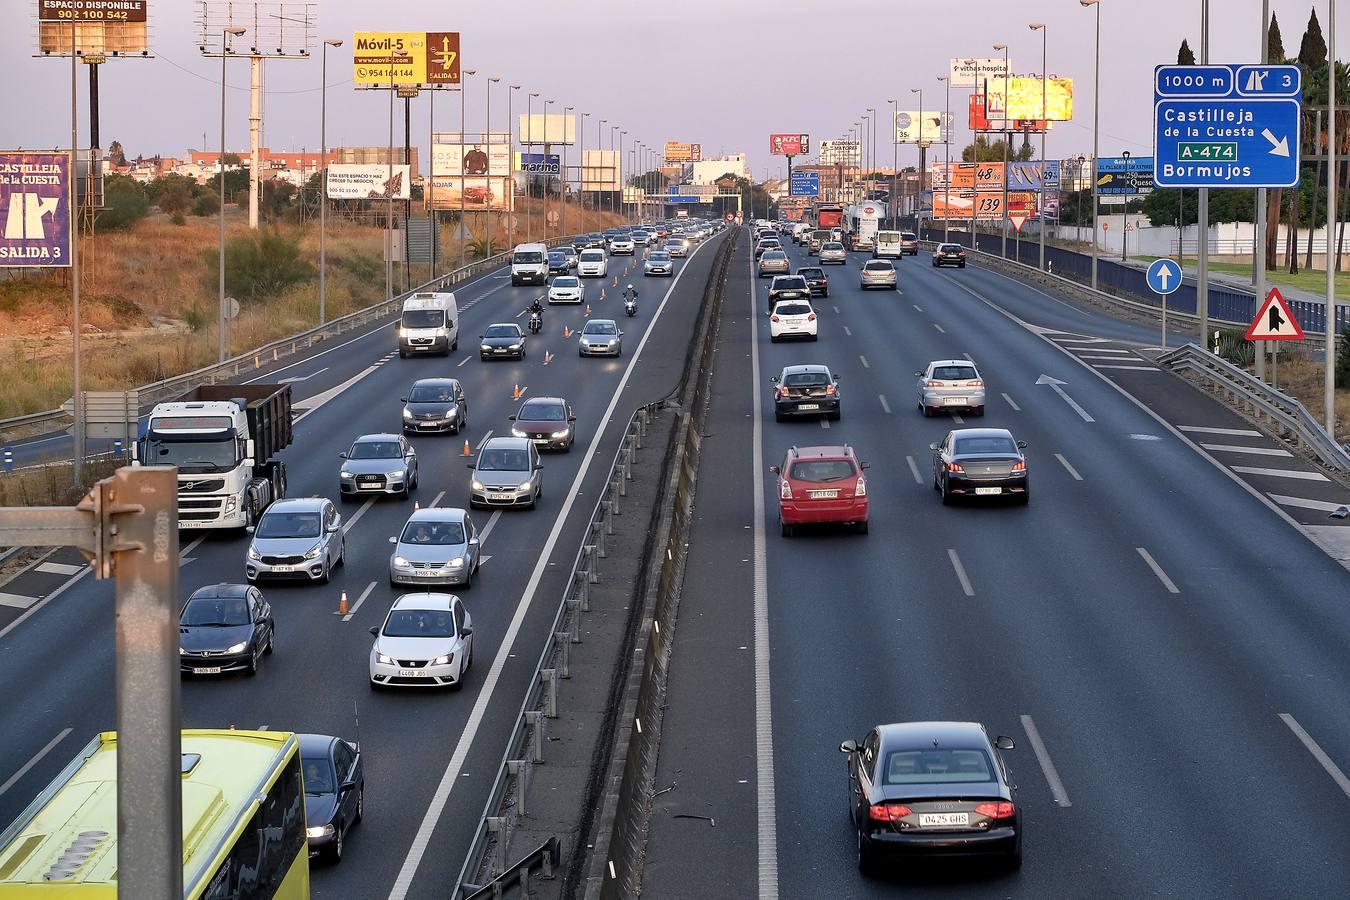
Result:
pixel 788 287
pixel 816 279
pixel 805 391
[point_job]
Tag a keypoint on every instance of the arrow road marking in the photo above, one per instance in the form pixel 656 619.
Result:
pixel 1278 148
pixel 1057 386
pixel 296 379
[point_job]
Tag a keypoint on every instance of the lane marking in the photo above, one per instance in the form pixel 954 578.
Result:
pixel 1058 387
pixel 1158 570
pixel 356 516
pixel 865 364
pixel 1131 368
pixel 487 529
pixel 956 417
pixel 16 601
pixel 296 379
pixel 960 572
pixel 917 306
pixel 1047 765
pixel 1067 465
pixel 1102 358
pixel 436 501
pixel 1012 403
pixel 1300 502
pixel 54 568
pixel 884 405
pixel 359 600
pixel 939 328
pixel 436 806
pixel 914 470
pixel 1235 432
pixel 1255 451
pixel 317 402
pixel 463 361
pixel 847 331
pixel 836 307
pixel 1312 746
pixel 1104 350
pixel 36 758
pixel 824 424
pixel 968 356
pixel 484 440
pixel 1281 473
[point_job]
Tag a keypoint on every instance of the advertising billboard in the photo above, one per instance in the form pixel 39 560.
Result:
pixel 480 194
pixel 600 170
pixel 968 73
pixel 789 144
pixel 108 27
pixel 1033 176
pixel 980 121
pixel 911 127
pixel 986 204
pixel 35 209
pixel 840 153
pixel 1020 98
pixel 368 181
pixel 449 157
pixel 1125 176
pixel 678 152
pixel 539 163
pixel 432 58
pixel 554 128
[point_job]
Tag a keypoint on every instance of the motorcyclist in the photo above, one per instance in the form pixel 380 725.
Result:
pixel 536 306
pixel 630 296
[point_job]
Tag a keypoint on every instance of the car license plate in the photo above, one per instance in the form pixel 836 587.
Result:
pixel 954 401
pixel 939 820
pixel 409 673
pixel 808 406
pixel 986 492
pixel 207 670
pixel 822 495
pixel 499 497
pixel 424 573
pixel 283 568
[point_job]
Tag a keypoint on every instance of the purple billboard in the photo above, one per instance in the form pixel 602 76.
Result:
pixel 34 209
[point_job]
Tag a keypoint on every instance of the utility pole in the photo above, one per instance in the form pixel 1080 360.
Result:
pixel 1332 216
pixel 254 127
pixel 1045 126
pixel 1202 251
pixel 1259 244
pixel 77 401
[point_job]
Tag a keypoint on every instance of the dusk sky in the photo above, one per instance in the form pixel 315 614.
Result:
pixel 723 73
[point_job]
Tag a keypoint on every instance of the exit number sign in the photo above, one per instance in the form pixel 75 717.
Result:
pixel 1226 152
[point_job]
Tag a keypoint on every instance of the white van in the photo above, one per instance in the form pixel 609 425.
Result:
pixel 889 245
pixel 529 264
pixel 429 324
pixel 593 264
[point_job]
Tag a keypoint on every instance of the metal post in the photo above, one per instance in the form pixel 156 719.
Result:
pixel 511 165
pixel 1007 139
pixel 529 180
pixel 254 129
pixel 1040 196
pixel 323 181
pixel 462 231
pixel 77 400
pixel 547 177
pixel 562 189
pixel 549 678
pixel 947 141
pixel 1332 217
pixel 534 720
pixel 1096 131
pixel 431 184
pixel 389 200
pixel 1202 255
pixel 1259 244
pixel 895 169
pixel 407 204
pixel 487 137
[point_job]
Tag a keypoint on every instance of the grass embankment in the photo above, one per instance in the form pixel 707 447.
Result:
pixel 1312 280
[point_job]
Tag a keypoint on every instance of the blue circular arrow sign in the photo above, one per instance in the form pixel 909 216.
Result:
pixel 1164 276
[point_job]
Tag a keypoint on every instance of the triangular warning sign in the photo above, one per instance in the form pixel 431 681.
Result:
pixel 1018 222
pixel 1274 322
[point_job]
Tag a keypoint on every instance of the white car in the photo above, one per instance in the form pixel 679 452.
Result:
pixel 592 264
pixel 426 641
pixel 566 289
pixel 954 384
pixel 621 245
pixel 792 319
pixel 832 252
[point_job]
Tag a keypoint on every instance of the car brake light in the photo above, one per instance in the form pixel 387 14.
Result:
pixel 975 383
pixel 889 812
pixel 773 318
pixel 1020 466
pixel 811 317
pixel 860 487
pixel 953 467
pixel 934 383
pixel 1000 810
pixel 783 391
pixel 784 489
pixel 830 390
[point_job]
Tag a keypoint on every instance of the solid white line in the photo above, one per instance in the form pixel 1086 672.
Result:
pixel 1131 368
pixel 914 470
pixel 1074 403
pixel 37 758
pixel 487 529
pixel 824 423
pixel 968 356
pixel 463 361
pixel 359 600
pixel 865 364
pixel 1158 570
pixel 1255 451
pixel 434 503
pixel 1281 473
pixel 1312 746
pixel 847 332
pixel 1047 766
pixel 1012 403
pixel 1235 432
pixel 355 517
pixel 939 328
pixel 960 573
pixel 53 568
pixel 884 405
pixel 836 307
pixel 484 440
pixel 917 306
pixel 1319 505
pixel 422 839
pixel 1072 470
pixel 1104 358
pixel 1104 350
pixel 956 417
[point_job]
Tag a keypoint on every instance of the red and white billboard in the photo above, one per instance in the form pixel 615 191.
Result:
pixel 789 144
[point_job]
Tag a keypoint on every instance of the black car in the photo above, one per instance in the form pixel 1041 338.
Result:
pixel 788 287
pixel 557 262
pixel 581 242
pixel 224 628
pixel 595 241
pixel 805 391
pixel 980 462
pixel 932 789
pixel 502 340
pixel 817 279
pixel 949 255
pixel 435 404
pixel 335 792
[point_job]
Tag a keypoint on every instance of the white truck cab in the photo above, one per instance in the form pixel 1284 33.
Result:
pixel 429 323
pixel 529 264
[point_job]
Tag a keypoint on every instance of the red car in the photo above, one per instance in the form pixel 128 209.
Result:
pixel 820 485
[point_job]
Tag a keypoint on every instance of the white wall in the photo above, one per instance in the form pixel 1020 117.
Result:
pixel 709 170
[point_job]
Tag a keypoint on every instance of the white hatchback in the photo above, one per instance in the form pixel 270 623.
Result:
pixel 792 319
pixel 426 640
pixel 566 289
pixel 592 264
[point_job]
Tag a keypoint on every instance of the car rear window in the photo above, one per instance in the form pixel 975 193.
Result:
pixel 979 446
pixel 789 283
pixel 806 379
pixel 879 266
pixel 592 255
pixel 833 245
pixel 909 236
pixel 954 373
pixel 811 272
pixel 937 765
pixel 791 309
pixel 888 237
pixel 822 470
pixel 950 248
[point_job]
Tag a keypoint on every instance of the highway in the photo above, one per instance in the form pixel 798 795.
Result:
pixel 1154 631
pixel 56 649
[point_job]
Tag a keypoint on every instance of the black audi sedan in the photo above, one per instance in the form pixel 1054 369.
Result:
pixel 932 789
pixel 980 462
pixel 224 628
pixel 502 340
pixel 335 792
pixel 805 391
pixel 435 404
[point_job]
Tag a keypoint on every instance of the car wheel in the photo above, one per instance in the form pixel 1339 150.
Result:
pixel 482 357
pixel 335 848
pixel 825 294
pixel 454 346
pixel 787 530
pixel 977 410
pixel 927 411
pixel 468 580
pixel 345 498
pixel 773 338
pixel 834 416
pixel 342 553
pixel 252 668
pixel 778 416
pixel 961 265
pixel 946 493
pixel 815 337
pixel 866 863
pixel 271 642
pixel 468 663
pixel 360 804
pixel 327 574
pixel 1025 498
pixel 402 355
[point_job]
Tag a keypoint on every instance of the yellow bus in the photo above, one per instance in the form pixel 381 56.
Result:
pixel 243 823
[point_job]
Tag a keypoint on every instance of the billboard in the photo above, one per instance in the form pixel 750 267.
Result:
pixel 479 194
pixel 982 121
pixel 553 128
pixel 1128 176
pixel 539 163
pixel 432 58
pixel 789 144
pixel 108 27
pixel 449 157
pixel 985 204
pixel 1020 98
pixel 35 209
pixel 968 73
pixel 1033 176
pixel 678 152
pixel 934 127
pixel 601 170
pixel 368 181
pixel 840 153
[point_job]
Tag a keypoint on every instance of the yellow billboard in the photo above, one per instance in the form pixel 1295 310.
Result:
pixel 424 58
pixel 1020 98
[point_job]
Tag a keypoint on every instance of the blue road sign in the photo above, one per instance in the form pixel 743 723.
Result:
pixel 1226 126
pixel 1164 276
pixel 805 184
pixel 676 198
pixel 541 163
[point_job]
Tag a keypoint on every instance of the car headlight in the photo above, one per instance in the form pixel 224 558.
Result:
pixel 182 652
pixel 524 486
pixel 400 561
pixel 253 553
pixel 345 474
pixel 443 660
pixel 406 413
pixel 319 831
pixel 516 432
pixel 231 504
pixel 383 660
pixel 237 648
pixel 485 347
pixel 456 563
pixel 517 345
pixel 476 485
pixel 396 476
pixel 560 434
pixel 313 552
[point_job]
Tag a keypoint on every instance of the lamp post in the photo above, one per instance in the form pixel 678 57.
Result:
pixel 547 177
pixel 463 139
pixel 1332 216
pixel 529 182
pixel 220 354
pixel 394 58
pixel 581 149
pixel 487 138
pixel 562 190
pixel 1007 139
pixel 600 139
pixel 615 204
pixel 623 134
pixel 1124 217
pixel 511 165
pixel 947 190
pixel 895 167
pixel 873 113
pixel 323 181
pixel 922 155
pixel 1096 125
pixel 1045 122
pixel 1082 161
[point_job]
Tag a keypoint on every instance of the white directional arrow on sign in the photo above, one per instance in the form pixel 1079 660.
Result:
pixel 1057 386
pixel 1277 148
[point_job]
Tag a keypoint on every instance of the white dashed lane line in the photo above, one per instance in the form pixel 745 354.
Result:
pixel 1280 473
pixel 1255 451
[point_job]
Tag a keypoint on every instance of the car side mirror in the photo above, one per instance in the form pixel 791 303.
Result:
pixel 465 632
pixel 849 746
pixel 480 337
pixel 335 528
pixel 375 629
pixel 918 374
pixel 342 455
pixel 473 542
pixel 470 466
pixel 346 786
pixel 773 380
pixel 1003 742
pixel 538 466
pixel 774 469
pixel 393 539
pixel 932 446
pixel 402 399
pixel 864 465
pixel 511 418
pixel 1021 445
pixel 248 529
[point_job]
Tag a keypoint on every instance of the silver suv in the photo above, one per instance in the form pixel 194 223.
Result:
pixel 378 464
pixel 507 473
pixel 299 539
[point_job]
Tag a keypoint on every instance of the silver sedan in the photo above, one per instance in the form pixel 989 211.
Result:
pixel 833 252
pixel 378 464
pixel 953 384
pixel 878 273
pixel 600 337
pixel 437 546
pixel 774 262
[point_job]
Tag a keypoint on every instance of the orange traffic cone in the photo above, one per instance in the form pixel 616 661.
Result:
pixel 343 608
pixel 616 280
pixel 515 395
pixel 602 293
pixel 567 332
pixel 467 451
pixel 548 357
pixel 416 505
pixel 588 309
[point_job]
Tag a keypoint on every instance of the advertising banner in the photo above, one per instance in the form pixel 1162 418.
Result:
pixel 1033 176
pixel 479 193
pixel 471 159
pixel 432 58
pixel 547 129
pixel 1132 176
pixel 35 209
pixel 840 153
pixel 91 10
pixel 1020 98
pixel 601 170
pixel 987 204
pixel 364 181
pixel 539 163
pixel 678 152
pixel 994 121
pixel 108 27
pixel 911 127
pixel 789 144
pixel 968 73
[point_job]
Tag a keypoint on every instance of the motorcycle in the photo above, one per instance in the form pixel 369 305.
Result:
pixel 536 322
pixel 630 301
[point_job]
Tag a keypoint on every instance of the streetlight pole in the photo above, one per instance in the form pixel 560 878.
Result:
pixel 394 58
pixel 463 139
pixel 1202 210
pixel 487 138
pixel 874 143
pixel 1082 161
pixel 562 220
pixel 323 181
pixel 1330 374
pixel 225 51
pixel 547 177
pixel 1040 196
pixel 1259 238
pixel 1007 139
pixel 623 134
pixel 922 154
pixel 581 149
pixel 947 142
pixel 511 165
pixel 599 140
pixel 616 204
pixel 529 182
pixel 895 168
pixel 1096 127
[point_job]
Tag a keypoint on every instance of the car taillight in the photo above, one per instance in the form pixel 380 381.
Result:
pixel 1020 466
pixel 773 319
pixel 953 467
pixel 860 487
pixel 1000 810
pixel 784 489
pixel 888 812
pixel 975 383
pixel 783 391
pixel 811 317
pixel 962 254
pixel 831 390
pixel 932 382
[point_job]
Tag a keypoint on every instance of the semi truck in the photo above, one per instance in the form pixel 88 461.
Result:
pixel 224 439
pixel 862 221
pixel 829 216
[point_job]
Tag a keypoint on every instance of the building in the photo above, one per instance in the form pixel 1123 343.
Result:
pixel 707 171
pixel 303 163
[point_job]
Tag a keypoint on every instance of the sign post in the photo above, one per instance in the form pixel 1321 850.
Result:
pixel 1274 322
pixel 1164 277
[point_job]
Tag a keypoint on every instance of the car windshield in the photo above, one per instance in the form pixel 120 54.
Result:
pixel 806 379
pixel 566 281
pixel 791 309
pixel 795 283
pixel 318 775
pixel 951 248
pixel 879 266
pixel 427 623
pixel 937 765
pixel 659 256
pixel 953 373
pixel 374 450
pixel 593 256
pixel 215 611
pixel 600 328
pixel 821 470
pixel 811 272
pixel 423 318
pixel 995 445
pixel 502 331
pixel 542 412
pixel 432 393
pixel 501 459
pixel 435 534
pixel 289 525
pixel 204 453
pixel 527 257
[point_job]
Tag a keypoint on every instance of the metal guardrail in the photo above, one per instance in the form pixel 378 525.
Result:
pixel 546 857
pixel 1250 394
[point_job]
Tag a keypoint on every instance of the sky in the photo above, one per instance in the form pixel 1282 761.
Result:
pixel 723 73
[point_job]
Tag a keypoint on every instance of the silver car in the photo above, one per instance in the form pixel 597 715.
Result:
pixel 621 245
pixel 774 262
pixel 677 245
pixel 426 640
pixel 508 473
pixel 571 254
pixel 953 384
pixel 437 546
pixel 435 404
pixel 600 337
pixel 878 273
pixel 832 252
pixel 299 539
pixel 658 262
pixel 378 464
pixel 566 289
